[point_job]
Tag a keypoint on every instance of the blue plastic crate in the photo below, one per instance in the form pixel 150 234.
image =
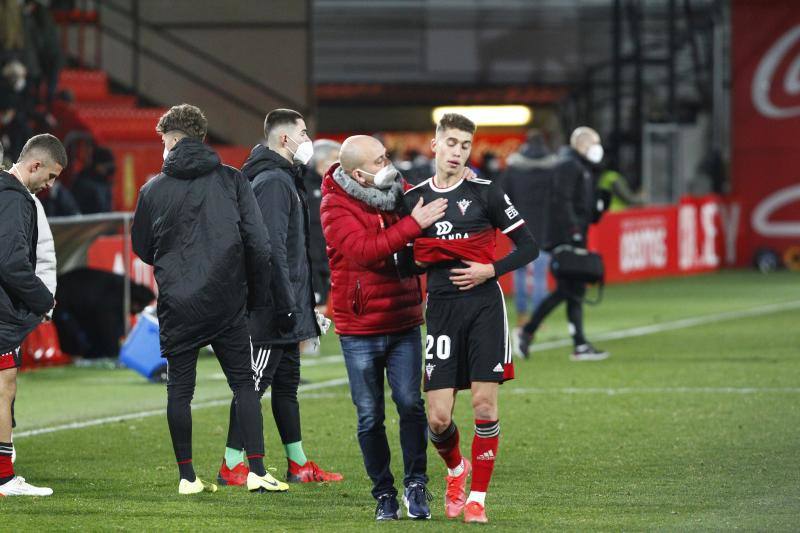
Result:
pixel 141 351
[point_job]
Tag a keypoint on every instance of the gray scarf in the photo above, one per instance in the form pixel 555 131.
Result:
pixel 381 199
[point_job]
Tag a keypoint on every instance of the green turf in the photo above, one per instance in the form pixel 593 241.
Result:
pixel 690 429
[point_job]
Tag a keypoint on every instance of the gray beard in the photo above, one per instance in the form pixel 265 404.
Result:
pixel 381 199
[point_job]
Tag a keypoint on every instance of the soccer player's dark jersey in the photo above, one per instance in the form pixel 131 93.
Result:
pixel 473 206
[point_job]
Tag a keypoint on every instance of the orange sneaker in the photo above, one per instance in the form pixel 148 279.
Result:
pixel 475 513
pixel 309 473
pixel 455 496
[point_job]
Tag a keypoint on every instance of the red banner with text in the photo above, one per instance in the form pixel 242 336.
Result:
pixel 764 205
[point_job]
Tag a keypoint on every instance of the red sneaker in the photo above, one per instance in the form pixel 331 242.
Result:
pixel 475 513
pixel 232 476
pixel 455 496
pixel 309 473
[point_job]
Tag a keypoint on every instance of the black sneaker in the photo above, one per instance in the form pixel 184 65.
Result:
pixel 524 341
pixel 416 498
pixel 387 508
pixel 587 352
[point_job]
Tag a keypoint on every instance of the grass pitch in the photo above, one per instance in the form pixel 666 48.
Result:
pixel 688 426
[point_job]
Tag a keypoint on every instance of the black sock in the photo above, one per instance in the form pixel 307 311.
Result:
pixel 257 464
pixel 186 470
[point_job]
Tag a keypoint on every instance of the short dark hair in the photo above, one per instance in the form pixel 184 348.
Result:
pixel 185 118
pixel 279 117
pixel 456 122
pixel 49 145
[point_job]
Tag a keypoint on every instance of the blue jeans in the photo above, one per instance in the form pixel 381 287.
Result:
pixel 524 299
pixel 400 356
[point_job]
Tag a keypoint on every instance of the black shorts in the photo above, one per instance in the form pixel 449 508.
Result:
pixel 12 359
pixel 467 341
pixel 266 359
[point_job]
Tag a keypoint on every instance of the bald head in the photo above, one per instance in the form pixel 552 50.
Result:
pixel 359 151
pixel 362 157
pixel 582 138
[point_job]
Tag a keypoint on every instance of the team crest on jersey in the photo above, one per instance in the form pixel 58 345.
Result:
pixel 429 370
pixel 463 204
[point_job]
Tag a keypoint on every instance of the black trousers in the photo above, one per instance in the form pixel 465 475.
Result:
pixel 566 290
pixel 276 366
pixel 232 348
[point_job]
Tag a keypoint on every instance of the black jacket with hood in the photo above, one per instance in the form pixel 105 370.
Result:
pixel 571 201
pixel 24 299
pixel 279 191
pixel 199 225
pixel 528 182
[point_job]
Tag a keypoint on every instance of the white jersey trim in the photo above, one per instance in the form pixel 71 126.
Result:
pixel 448 189
pixel 513 226
pixel 418 186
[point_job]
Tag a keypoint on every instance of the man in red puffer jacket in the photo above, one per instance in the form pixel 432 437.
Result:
pixel 377 311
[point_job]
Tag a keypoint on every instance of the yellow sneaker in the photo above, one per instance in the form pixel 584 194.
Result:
pixel 265 483
pixel 195 487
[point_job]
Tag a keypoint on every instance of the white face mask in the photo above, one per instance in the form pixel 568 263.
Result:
pixel 595 153
pixel 304 153
pixel 385 177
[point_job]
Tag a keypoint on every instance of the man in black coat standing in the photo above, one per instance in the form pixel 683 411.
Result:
pixel 573 207
pixel 24 298
pixel 276 173
pixel 326 153
pixel 198 224
pixel 528 180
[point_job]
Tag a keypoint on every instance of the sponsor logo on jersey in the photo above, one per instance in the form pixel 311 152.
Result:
pixel 429 370
pixel 463 204
pixel 443 228
pixel 511 212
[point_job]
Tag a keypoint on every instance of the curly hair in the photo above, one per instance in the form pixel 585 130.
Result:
pixel 185 118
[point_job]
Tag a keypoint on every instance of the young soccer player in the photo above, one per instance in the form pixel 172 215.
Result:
pixel 467 346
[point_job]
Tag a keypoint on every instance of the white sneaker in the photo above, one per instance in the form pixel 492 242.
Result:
pixel 195 487
pixel 587 352
pixel 19 487
pixel 265 483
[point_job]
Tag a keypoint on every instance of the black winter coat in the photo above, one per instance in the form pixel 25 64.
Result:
pixel 199 225
pixel 571 201
pixel 279 190
pixel 24 299
pixel 320 270
pixel 528 182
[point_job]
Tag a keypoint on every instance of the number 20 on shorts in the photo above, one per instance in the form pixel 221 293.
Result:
pixel 442 343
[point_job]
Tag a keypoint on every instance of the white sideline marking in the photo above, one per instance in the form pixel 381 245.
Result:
pixel 155 412
pixel 656 390
pixel 673 325
pixel 611 335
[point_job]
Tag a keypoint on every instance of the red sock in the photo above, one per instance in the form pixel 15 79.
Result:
pixel 484 451
pixel 446 444
pixel 6 468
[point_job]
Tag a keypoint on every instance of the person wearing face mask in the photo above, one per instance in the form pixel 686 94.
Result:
pixel 92 187
pixel 377 311
pixel 574 205
pixel 275 171
pixel 24 297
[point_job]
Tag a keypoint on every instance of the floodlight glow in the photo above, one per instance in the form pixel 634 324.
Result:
pixel 488 115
